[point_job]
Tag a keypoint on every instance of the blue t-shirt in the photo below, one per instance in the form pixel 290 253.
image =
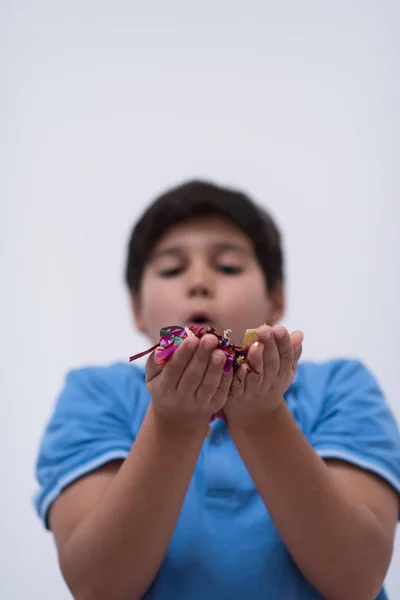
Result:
pixel 225 544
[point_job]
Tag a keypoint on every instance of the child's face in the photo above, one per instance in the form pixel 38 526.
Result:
pixel 205 269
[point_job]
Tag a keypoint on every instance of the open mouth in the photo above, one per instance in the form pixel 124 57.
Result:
pixel 202 319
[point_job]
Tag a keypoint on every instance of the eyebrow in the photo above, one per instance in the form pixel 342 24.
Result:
pixel 226 246
pixel 219 246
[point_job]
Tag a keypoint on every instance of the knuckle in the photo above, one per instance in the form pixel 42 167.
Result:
pixel 255 379
pixel 226 381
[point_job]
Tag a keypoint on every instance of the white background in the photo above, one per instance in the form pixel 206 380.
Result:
pixel 105 104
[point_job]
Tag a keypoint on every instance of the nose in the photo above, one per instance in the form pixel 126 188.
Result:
pixel 200 282
pixel 199 290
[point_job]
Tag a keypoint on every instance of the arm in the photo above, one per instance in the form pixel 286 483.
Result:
pixel 112 528
pixel 337 522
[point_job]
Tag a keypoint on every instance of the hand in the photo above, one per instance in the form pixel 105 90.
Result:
pixel 275 357
pixel 191 385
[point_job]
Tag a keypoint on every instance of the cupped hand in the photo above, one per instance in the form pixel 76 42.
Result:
pixel 275 356
pixel 192 384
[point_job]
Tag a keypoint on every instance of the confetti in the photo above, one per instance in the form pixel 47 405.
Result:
pixel 172 336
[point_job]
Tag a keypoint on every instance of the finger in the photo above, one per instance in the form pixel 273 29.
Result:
pixel 296 338
pixel 238 382
pixel 212 377
pixel 250 380
pixel 194 372
pixel 270 355
pixel 285 349
pixel 153 368
pixel 177 364
pixel 221 395
pixel 297 355
pixel 255 357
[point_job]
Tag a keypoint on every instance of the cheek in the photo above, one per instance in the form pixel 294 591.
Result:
pixel 245 306
pixel 159 304
pixel 245 293
pixel 158 309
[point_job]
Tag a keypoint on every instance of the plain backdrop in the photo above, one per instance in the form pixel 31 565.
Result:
pixel 105 104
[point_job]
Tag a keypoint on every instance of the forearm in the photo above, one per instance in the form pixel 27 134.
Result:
pixel 336 542
pixel 117 550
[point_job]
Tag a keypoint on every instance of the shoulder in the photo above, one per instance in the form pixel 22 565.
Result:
pixel 339 388
pixel 319 373
pixel 117 375
pixel 97 407
pixel 345 415
pixel 119 385
pixel 95 420
pixel 318 380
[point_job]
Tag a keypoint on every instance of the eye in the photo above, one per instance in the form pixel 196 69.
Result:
pixel 230 269
pixel 171 272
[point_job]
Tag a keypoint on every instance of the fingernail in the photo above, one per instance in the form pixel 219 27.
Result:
pixel 257 348
pixel 280 334
pixel 209 344
pixel 158 360
pixel 191 343
pixel 217 358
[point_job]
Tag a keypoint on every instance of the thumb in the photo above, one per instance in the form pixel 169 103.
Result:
pixel 153 367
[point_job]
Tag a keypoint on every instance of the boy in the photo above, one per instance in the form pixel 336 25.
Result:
pixel 294 496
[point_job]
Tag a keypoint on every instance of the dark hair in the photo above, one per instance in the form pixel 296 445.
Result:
pixel 203 199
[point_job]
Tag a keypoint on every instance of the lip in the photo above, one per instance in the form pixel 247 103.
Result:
pixel 202 318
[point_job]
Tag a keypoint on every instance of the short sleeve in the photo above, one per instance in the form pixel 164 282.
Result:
pixel 356 425
pixel 90 426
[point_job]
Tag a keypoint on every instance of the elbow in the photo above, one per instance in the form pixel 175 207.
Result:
pixel 359 593
pixel 356 586
pixel 94 585
pixel 362 577
pixel 100 590
pixel 87 591
pixel 80 584
pixel 91 594
pixel 353 583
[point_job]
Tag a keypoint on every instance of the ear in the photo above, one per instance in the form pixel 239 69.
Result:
pixel 136 312
pixel 278 301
